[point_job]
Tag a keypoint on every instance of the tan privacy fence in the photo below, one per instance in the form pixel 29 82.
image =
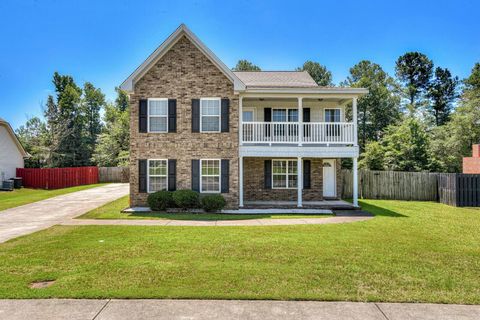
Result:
pixel 393 185
pixel 113 174
pixel 455 189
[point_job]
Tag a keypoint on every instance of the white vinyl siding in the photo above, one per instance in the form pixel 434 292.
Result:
pixel 10 156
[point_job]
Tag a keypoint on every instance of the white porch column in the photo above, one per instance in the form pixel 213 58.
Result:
pixel 300 121
pixel 240 120
pixel 299 182
pixel 355 181
pixel 355 116
pixel 240 181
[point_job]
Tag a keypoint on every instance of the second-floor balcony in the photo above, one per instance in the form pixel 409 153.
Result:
pixel 335 133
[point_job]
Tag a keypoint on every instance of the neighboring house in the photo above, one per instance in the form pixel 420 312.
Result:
pixel 472 164
pixel 255 137
pixel 11 151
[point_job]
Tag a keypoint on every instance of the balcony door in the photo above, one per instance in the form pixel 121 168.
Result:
pixel 332 116
pixel 248 116
pixel 280 129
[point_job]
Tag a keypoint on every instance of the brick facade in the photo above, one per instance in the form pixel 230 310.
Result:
pixel 254 184
pixel 183 73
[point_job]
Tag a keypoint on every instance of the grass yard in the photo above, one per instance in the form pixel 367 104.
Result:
pixel 113 210
pixel 19 197
pixel 411 251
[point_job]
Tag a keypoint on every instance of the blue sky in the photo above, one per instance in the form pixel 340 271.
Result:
pixel 104 41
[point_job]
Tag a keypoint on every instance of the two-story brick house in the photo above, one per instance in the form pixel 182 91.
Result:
pixel 255 137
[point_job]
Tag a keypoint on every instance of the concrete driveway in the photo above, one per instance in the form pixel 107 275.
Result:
pixel 22 220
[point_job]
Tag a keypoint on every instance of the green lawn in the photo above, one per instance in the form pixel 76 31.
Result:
pixel 18 197
pixel 411 251
pixel 113 210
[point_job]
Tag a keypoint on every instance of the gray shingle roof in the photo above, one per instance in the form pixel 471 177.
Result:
pixel 276 79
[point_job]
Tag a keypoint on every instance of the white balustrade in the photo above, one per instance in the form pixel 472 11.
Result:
pixel 287 132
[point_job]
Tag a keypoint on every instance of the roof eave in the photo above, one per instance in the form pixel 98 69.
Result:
pixel 308 90
pixel 128 84
pixel 20 148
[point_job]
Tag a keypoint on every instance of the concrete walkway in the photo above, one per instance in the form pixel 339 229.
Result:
pixel 22 220
pixel 229 309
pixel 212 223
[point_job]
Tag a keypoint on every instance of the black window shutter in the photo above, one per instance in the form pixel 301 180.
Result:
pixel 307 168
pixel 225 172
pixel 268 174
pixel 172 175
pixel 143 115
pixel 306 114
pixel 225 115
pixel 142 176
pixel 267 114
pixel 196 175
pixel 267 117
pixel 172 115
pixel 306 118
pixel 195 115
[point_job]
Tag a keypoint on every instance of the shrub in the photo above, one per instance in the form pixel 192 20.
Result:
pixel 214 202
pixel 186 199
pixel 160 200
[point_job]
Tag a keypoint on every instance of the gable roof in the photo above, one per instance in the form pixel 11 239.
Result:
pixel 276 79
pixel 182 30
pixel 14 137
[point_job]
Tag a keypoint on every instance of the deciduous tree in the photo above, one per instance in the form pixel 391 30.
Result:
pixel 319 73
pixel 245 65
pixel 380 107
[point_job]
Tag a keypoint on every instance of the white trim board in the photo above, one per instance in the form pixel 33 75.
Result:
pixel 296 151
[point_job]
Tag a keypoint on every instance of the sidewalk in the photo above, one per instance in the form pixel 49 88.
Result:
pixel 22 220
pixel 229 309
pixel 212 223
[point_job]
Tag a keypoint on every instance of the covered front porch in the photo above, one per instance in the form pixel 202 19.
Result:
pixel 333 204
pixel 288 182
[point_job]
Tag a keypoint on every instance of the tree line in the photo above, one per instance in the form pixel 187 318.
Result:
pixel 72 133
pixel 421 119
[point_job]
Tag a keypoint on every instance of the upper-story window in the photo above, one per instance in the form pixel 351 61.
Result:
pixel 158 115
pixel 210 114
pixel 333 115
pixel 285 115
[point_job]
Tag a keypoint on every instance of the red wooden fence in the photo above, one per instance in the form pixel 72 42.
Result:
pixel 57 178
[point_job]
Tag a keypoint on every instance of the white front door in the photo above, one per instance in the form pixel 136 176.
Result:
pixel 329 183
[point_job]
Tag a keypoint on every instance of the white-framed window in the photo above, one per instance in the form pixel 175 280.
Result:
pixel 157 115
pixel 157 177
pixel 248 114
pixel 284 174
pixel 333 115
pixel 210 175
pixel 285 115
pixel 210 114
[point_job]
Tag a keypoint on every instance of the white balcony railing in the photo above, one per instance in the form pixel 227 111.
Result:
pixel 288 132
